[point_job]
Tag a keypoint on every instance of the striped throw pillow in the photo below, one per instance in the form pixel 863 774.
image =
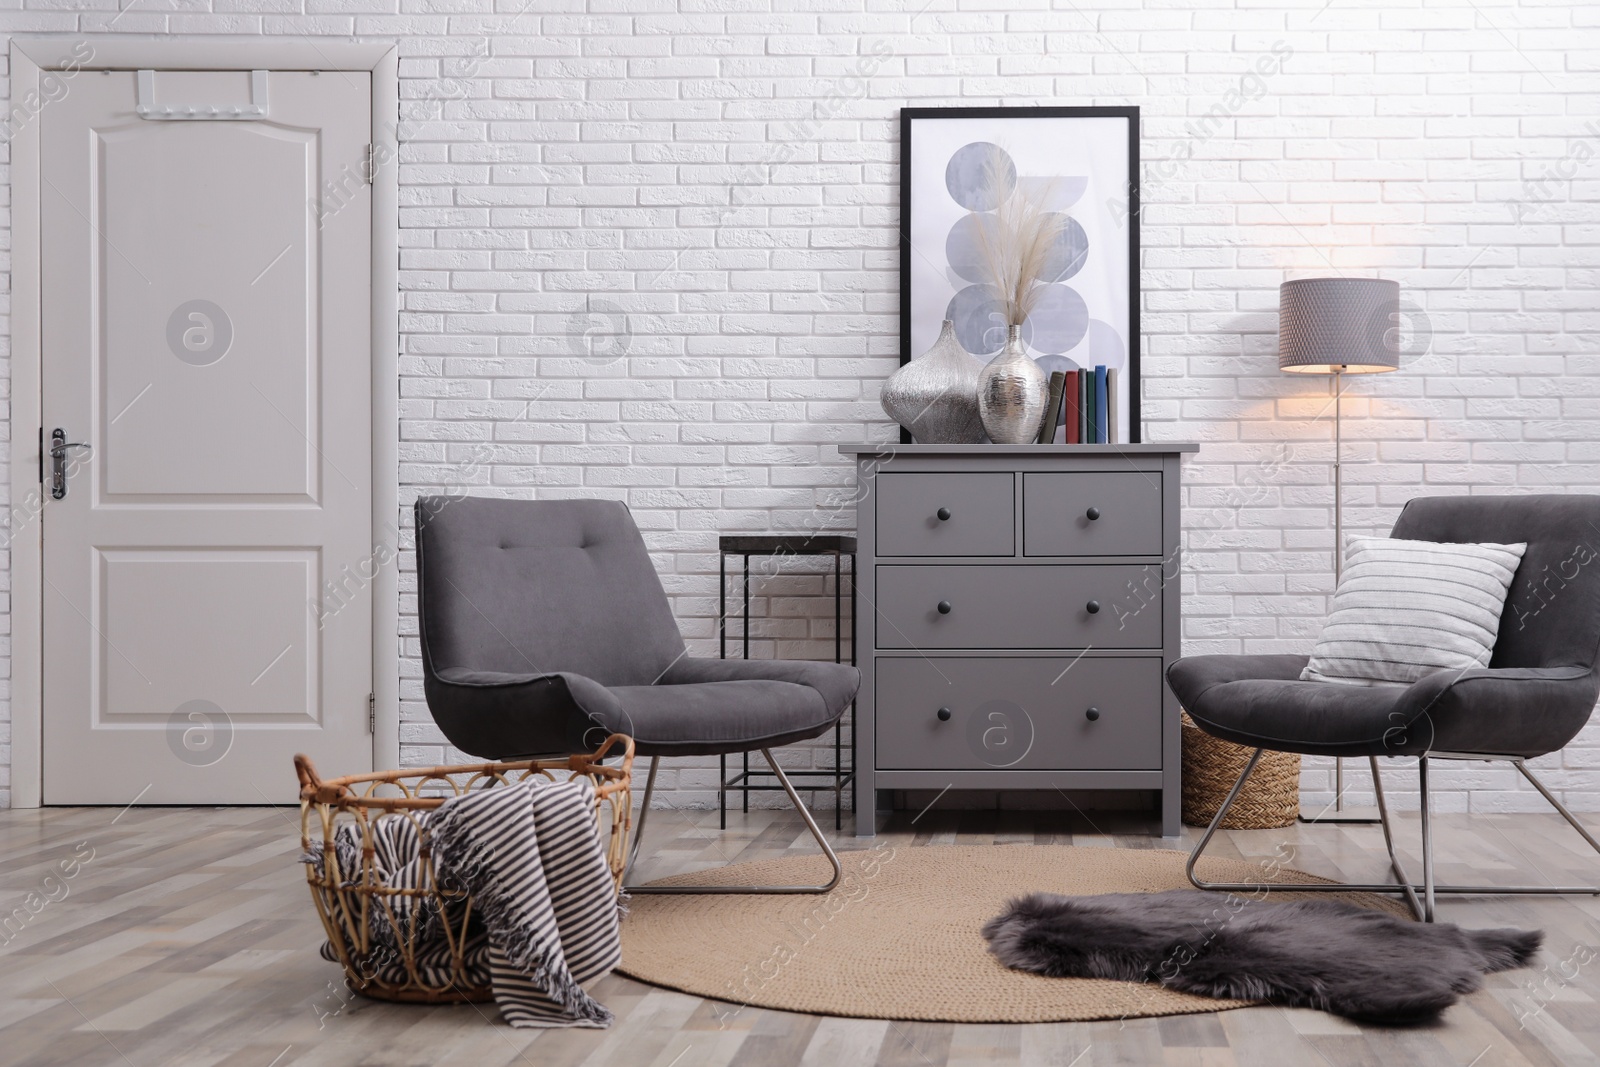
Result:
pixel 1405 609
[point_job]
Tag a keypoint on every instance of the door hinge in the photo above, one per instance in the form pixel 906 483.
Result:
pixel 372 713
pixel 371 164
pixel 41 455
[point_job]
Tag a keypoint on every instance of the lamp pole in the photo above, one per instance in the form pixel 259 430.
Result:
pixel 1338 481
pixel 1338 541
pixel 1338 813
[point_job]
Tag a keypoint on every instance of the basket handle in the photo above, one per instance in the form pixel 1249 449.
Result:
pixel 311 784
pixel 606 746
pixel 306 771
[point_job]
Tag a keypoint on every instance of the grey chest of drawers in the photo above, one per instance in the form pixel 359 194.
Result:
pixel 1017 608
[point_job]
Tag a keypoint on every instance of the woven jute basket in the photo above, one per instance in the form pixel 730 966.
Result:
pixel 1210 767
pixel 348 901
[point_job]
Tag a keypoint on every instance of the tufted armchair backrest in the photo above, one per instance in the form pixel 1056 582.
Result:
pixel 538 586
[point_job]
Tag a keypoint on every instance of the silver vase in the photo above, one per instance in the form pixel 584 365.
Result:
pixel 1012 391
pixel 935 396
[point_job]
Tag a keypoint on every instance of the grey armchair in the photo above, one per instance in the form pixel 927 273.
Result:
pixel 544 628
pixel 1534 697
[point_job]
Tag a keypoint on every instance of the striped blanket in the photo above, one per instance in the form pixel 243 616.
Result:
pixel 544 915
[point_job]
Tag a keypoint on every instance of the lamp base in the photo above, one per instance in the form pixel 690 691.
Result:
pixel 1348 815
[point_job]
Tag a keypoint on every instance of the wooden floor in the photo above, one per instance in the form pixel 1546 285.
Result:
pixel 186 938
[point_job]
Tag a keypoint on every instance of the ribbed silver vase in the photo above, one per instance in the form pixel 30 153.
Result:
pixel 935 396
pixel 1012 391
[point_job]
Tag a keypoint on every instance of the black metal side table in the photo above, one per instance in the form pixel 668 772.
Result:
pixel 837 546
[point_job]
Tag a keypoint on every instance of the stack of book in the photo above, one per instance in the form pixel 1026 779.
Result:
pixel 1082 409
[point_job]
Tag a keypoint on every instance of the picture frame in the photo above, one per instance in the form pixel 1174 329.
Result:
pixel 1082 161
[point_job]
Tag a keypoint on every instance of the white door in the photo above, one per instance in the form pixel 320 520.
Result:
pixel 206 329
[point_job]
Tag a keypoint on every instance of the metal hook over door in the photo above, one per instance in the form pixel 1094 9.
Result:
pixel 147 108
pixel 59 447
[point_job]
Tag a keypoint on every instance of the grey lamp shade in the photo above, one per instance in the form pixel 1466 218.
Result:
pixel 1338 325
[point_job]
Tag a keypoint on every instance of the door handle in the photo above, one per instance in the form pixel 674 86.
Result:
pixel 59 447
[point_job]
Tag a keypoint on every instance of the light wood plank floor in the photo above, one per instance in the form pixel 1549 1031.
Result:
pixel 185 938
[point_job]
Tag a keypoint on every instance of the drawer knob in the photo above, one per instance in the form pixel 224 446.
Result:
pixel 1092 607
pixel 1092 714
pixel 944 607
pixel 944 714
pixel 1092 514
pixel 944 514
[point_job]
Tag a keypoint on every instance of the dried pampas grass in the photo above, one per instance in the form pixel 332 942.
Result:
pixel 1014 241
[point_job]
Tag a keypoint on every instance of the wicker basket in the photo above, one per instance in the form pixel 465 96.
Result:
pixel 1210 767
pixel 345 899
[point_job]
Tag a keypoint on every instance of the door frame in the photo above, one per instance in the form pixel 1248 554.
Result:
pixel 32 57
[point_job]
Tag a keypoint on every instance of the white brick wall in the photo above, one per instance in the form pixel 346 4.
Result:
pixel 724 174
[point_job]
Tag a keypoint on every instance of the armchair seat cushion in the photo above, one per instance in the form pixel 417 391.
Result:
pixel 835 683
pixel 707 707
pixel 1260 701
pixel 711 718
pixel 699 707
pixel 1503 711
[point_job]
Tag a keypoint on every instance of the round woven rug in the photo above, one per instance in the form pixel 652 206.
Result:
pixel 899 937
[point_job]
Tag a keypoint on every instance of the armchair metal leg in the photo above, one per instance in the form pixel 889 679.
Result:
pixel 1572 820
pixel 794 798
pixel 1422 905
pixel 1401 877
pixel 1427 839
pixel 644 814
pixel 1339 813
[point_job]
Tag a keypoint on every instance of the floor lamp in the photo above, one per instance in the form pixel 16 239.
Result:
pixel 1338 326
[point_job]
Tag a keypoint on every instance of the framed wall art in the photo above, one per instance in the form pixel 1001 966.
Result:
pixel 962 169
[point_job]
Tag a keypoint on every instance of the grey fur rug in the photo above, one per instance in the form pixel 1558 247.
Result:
pixel 1351 961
